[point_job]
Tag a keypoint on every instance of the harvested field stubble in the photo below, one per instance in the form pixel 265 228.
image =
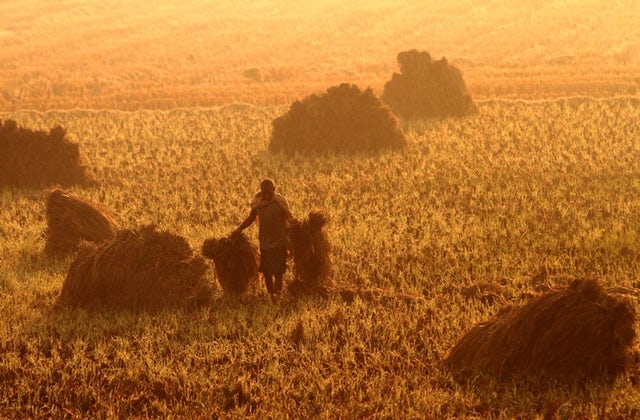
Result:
pixel 577 333
pixel 344 119
pixel 140 269
pixel 235 260
pixel 311 261
pixel 70 220
pixel 427 88
pixel 547 184
pixel 349 294
pixel 35 158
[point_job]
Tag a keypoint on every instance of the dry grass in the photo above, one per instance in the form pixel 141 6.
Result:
pixel 545 184
pixel 349 295
pixel 577 333
pixel 129 61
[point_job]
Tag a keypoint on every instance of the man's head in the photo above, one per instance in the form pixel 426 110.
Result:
pixel 268 189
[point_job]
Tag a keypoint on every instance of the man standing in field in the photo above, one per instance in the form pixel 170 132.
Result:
pixel 273 214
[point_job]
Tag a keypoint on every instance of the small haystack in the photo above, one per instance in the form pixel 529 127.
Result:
pixel 427 88
pixel 235 260
pixel 310 248
pixel 577 333
pixel 70 220
pixel 34 159
pixel 140 269
pixel 344 119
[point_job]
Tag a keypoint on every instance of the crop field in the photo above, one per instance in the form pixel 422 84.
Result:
pixel 179 54
pixel 541 186
pixel 520 207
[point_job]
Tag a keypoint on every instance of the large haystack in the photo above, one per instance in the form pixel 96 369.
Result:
pixel 573 334
pixel 427 88
pixel 235 260
pixel 70 220
pixel 344 119
pixel 140 269
pixel 34 159
pixel 311 261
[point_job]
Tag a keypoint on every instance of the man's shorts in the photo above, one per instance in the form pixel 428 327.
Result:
pixel 273 261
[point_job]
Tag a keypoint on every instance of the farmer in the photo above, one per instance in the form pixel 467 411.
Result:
pixel 273 214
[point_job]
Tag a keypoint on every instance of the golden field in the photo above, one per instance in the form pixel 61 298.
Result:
pixel 541 186
pixel 115 54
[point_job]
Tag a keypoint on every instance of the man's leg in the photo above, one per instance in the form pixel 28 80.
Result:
pixel 278 285
pixel 268 279
pixel 282 267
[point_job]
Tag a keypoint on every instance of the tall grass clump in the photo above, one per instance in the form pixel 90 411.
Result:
pixel 34 159
pixel 141 269
pixel 344 119
pixel 577 333
pixel 71 220
pixel 427 88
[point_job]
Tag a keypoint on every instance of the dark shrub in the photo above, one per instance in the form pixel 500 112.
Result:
pixel 427 88
pixel 344 119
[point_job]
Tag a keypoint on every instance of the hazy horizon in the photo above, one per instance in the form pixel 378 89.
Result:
pixel 197 53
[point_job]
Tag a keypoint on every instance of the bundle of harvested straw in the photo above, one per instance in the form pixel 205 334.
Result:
pixel 427 88
pixel 577 333
pixel 310 248
pixel 235 261
pixel 344 119
pixel 70 220
pixel 140 269
pixel 34 158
